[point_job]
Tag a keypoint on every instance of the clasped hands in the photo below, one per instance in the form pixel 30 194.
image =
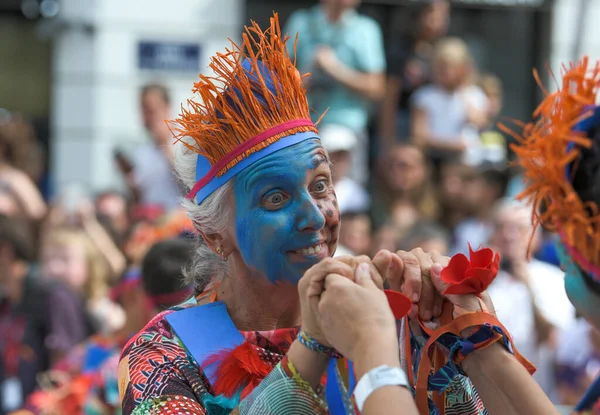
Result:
pixel 344 306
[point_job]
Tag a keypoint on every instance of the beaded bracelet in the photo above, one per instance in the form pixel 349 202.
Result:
pixel 312 344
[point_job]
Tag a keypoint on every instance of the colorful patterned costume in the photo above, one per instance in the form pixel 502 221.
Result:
pixel 560 154
pixel 157 374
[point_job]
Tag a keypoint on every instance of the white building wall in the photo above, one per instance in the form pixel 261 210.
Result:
pixel 95 105
pixel 566 19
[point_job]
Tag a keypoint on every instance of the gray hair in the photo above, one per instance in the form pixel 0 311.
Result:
pixel 209 217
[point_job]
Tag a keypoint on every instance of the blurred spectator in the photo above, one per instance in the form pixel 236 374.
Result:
pixel 493 141
pixel 410 67
pixel 80 215
pixel 86 381
pixel 427 236
pixel 516 184
pixel 386 237
pixel 405 195
pixel 17 147
pixel 447 115
pixel 69 256
pixel 340 143
pixel 355 235
pixel 147 232
pixel 113 208
pixel 344 52
pixel 161 271
pixel 150 176
pixel 577 360
pixel 39 321
pixel 481 191
pixel 452 182
pixel 529 295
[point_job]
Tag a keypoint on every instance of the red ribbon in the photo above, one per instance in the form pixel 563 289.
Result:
pixel 471 275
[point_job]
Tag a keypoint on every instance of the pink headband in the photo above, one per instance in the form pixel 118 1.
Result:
pixel 207 177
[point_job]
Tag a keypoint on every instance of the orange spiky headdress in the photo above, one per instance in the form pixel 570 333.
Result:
pixel 551 150
pixel 253 106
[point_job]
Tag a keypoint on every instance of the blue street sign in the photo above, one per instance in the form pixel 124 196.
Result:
pixel 169 56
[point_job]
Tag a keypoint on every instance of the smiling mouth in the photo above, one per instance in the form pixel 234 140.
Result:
pixel 311 250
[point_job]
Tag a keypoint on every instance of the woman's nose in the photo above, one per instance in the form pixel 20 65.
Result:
pixel 310 217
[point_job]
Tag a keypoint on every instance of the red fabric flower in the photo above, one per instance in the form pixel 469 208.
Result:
pixel 399 303
pixel 471 276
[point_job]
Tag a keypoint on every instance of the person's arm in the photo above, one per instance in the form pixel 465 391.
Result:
pixel 370 85
pixel 368 77
pixel 504 385
pixel 292 387
pixel 357 320
pixel 422 136
pixel 28 196
pixel 388 399
pixel 310 365
pixel 476 102
pixel 105 245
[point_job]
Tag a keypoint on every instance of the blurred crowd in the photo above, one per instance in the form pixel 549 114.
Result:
pixel 418 162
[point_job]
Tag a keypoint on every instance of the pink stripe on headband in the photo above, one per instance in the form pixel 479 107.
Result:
pixel 580 259
pixel 241 149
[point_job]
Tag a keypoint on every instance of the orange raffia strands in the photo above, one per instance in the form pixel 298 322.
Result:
pixel 543 152
pixel 228 112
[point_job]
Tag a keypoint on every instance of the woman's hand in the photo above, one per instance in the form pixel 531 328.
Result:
pixel 311 287
pixel 412 278
pixel 467 302
pixel 381 267
pixel 355 315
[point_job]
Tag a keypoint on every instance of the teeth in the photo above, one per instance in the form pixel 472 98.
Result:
pixel 311 250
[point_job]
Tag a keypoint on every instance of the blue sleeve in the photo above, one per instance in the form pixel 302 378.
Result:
pixel 372 56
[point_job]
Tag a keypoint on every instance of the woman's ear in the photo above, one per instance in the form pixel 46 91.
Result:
pixel 213 240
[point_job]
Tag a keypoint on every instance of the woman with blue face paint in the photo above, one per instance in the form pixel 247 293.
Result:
pixel 261 196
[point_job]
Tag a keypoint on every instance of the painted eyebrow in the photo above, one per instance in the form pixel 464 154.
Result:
pixel 319 159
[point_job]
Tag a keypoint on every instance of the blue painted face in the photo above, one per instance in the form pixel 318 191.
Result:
pixel 287 217
pixel 585 299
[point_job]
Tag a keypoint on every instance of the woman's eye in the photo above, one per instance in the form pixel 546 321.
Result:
pixel 320 186
pixel 275 199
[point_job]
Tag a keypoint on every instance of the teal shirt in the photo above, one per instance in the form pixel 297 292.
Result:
pixel 357 42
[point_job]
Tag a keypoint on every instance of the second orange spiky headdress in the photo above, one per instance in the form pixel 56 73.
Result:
pixel 550 149
pixel 254 105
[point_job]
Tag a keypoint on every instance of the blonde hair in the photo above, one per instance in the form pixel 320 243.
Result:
pixel 453 50
pixel 96 285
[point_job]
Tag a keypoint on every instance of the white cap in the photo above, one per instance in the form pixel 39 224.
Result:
pixel 337 138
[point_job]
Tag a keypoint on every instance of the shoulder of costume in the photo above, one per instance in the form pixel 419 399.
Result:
pixel 205 330
pixel 151 327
